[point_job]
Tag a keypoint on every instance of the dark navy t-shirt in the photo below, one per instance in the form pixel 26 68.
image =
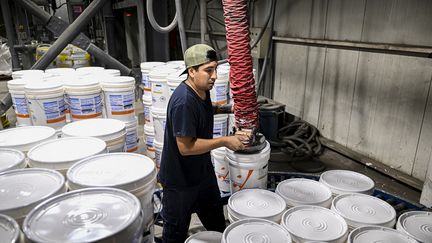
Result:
pixel 187 116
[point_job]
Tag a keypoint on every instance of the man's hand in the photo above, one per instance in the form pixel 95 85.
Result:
pixel 233 143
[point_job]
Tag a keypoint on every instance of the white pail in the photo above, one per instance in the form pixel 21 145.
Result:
pixel 24 138
pixel 112 72
pixel 46 103
pixel 112 131
pixel 87 215
pixel 19 101
pixel 149 141
pixel 220 125
pixel 231 123
pixel 219 93
pixel 367 234
pixel 132 135
pixel 159 87
pixel 21 190
pixel 9 230
pixel 147 102
pixel 61 154
pixel 84 97
pixel 221 165
pixel 346 182
pixel 174 80
pixel 29 73
pixel 158 153
pixel 417 224
pixel 159 121
pixel 299 191
pixel 131 172
pixel 146 67
pixel 248 170
pixel 205 237
pixel 120 97
pixel 61 71
pixel 89 70
pixel 11 159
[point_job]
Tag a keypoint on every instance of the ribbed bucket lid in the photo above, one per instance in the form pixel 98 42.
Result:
pixel 221 151
pixel 22 136
pixel 263 155
pixel 345 181
pixel 368 234
pixel 256 203
pixel 205 237
pixel 21 190
pixel 105 129
pixel 255 230
pixel 60 71
pixel 86 215
pixel 9 229
pixel 29 72
pixel 150 65
pixel 313 223
pixel 112 72
pixel 299 191
pixel 127 171
pixel 360 210
pixel 60 154
pixel 11 159
pixel 43 86
pixel 417 224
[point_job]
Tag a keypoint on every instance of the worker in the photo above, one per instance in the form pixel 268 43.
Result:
pixel 186 172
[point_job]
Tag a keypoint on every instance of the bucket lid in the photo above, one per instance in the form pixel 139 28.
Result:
pixel 113 72
pixel 299 191
pixel 221 151
pixel 22 189
pixel 89 69
pixel 86 215
pixel 118 81
pixel 161 73
pixel 158 111
pixel 43 86
pixel 367 234
pixel 9 229
pixel 20 137
pixel 60 71
pixel 221 117
pixel 314 223
pixel 255 230
pixel 256 203
pixel 176 77
pixel 132 123
pixel 81 83
pixel 345 181
pixel 17 83
pixel 30 72
pixel 149 65
pixel 11 159
pixel 417 224
pixel 127 171
pixel 249 159
pixel 60 154
pixel 103 128
pixel 205 237
pixel 158 144
pixel 149 130
pixel 147 99
pixel 360 209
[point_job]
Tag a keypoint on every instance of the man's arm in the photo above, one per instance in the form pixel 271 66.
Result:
pixel 194 146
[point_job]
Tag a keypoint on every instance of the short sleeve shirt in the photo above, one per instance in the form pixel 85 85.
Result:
pixel 187 116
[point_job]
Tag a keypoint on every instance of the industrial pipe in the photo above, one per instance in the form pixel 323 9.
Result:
pixel 203 22
pixel 179 12
pixel 154 23
pixel 108 60
pixel 9 31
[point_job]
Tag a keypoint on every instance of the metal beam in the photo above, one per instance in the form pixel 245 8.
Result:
pixel 126 4
pixel 10 33
pixel 142 45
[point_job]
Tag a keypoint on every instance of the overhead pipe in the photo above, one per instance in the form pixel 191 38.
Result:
pixel 10 33
pixel 179 13
pixel 154 23
pixel 203 22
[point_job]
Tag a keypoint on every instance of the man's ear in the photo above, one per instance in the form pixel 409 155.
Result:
pixel 191 72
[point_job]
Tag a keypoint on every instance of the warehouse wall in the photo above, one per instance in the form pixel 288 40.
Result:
pixel 377 104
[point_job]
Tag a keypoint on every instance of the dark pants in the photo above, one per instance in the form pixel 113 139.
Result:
pixel 179 204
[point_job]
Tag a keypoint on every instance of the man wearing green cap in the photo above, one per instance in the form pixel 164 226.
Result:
pixel 186 171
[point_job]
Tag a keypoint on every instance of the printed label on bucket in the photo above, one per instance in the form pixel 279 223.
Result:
pixel 131 141
pixel 146 83
pixel 158 158
pixel 248 179
pixel 219 95
pixel 20 106
pixel 219 130
pixel 49 111
pixel 86 107
pixel 121 104
pixel 147 114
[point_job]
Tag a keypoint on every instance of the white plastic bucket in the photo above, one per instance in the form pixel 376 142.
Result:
pixel 24 138
pixel 149 141
pixel 256 203
pixel 417 224
pixel 46 103
pixel 248 170
pixel 30 73
pixel 87 215
pixel 19 101
pixel 205 237
pixel 159 121
pixel 361 210
pixel 367 234
pixel 112 72
pixel 21 190
pixel 89 70
pixel 231 123
pixel 132 135
pixel 120 97
pixel 219 93
pixel 60 71
pixel 11 159
pixel 112 131
pixel 147 102
pixel 84 97
pixel 299 191
pixel 174 80
pixel 9 230
pixel 159 87
pixel 131 172
pixel 176 64
pixel 146 67
pixel 158 153
pixel 220 125
pixel 346 182
pixel 255 230
pixel 61 154
pixel 315 224
pixel 221 169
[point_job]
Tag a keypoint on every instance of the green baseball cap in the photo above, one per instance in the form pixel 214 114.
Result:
pixel 199 54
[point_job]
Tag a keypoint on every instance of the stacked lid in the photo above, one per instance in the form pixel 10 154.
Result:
pixel 368 234
pixel 361 210
pixel 87 215
pixel 255 230
pixel 205 237
pixel 24 138
pixel 345 181
pixel 11 159
pixel 9 229
pixel 417 224
pixel 314 224
pixel 255 203
pixel 105 129
pixel 300 191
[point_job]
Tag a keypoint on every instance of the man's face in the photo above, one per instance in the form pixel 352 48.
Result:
pixel 205 77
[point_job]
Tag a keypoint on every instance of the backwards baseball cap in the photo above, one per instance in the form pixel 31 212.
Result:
pixel 198 54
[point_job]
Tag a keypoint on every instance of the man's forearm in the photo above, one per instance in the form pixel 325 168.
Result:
pixel 200 146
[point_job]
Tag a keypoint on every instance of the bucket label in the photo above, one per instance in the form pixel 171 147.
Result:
pixel 131 141
pixel 147 114
pixel 158 158
pixel 54 111
pixel 242 178
pixel 86 107
pixel 146 83
pixel 159 95
pixel 219 94
pixel 219 129
pixel 20 105
pixel 121 104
